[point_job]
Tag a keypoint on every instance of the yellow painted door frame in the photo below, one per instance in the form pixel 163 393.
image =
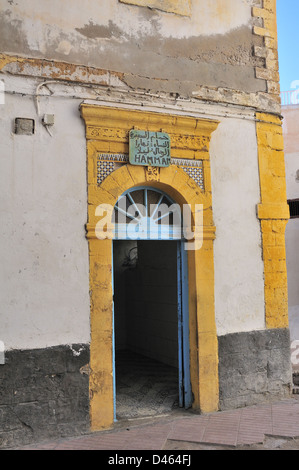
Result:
pixel 107 131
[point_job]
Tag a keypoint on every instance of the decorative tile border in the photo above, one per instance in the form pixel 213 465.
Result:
pixel 107 163
pixel 193 168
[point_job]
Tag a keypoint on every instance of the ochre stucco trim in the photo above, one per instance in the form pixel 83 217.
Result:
pixel 273 211
pixel 269 51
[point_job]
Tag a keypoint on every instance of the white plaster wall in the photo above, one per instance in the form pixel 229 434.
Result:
pixel 292 176
pixel 239 281
pixel 292 241
pixel 43 251
pixel 291 140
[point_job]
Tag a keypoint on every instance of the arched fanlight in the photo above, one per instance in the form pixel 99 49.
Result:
pixel 145 213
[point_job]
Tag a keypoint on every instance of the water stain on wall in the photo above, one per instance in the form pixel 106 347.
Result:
pixel 97 31
pixel 148 61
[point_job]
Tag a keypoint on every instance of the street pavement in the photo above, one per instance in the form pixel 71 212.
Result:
pixel 271 426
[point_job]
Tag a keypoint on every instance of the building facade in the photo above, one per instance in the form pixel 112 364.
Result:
pixel 290 112
pixel 202 75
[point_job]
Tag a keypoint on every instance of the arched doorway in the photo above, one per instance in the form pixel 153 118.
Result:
pixel 151 307
pixel 107 130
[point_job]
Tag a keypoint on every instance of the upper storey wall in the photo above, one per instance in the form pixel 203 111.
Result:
pixel 184 47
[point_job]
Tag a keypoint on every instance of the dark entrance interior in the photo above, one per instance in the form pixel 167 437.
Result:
pixel 145 327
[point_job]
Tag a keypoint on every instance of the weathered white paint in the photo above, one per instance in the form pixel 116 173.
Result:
pixel 291 137
pixel 42 25
pixel 292 240
pixel 140 48
pixel 43 249
pixel 292 173
pixel 239 284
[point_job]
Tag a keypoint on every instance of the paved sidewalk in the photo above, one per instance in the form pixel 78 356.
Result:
pixel 273 425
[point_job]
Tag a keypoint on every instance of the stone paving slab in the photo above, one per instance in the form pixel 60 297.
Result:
pixel 241 427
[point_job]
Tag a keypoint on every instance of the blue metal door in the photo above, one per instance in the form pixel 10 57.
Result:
pixel 185 392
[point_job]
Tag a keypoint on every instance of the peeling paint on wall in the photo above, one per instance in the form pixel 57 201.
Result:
pixel 97 31
pixel 179 7
pixel 212 48
pixel 59 71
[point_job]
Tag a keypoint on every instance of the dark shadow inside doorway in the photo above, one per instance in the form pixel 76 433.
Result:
pixel 144 387
pixel 145 328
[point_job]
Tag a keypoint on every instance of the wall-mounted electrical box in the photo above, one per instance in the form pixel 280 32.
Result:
pixel 48 120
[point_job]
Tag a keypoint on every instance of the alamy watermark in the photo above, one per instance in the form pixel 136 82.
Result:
pixel 295 93
pixel 295 353
pixel 153 222
pixel 2 353
pixel 2 92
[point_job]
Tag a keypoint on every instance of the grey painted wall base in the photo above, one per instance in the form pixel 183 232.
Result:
pixel 43 394
pixel 254 368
